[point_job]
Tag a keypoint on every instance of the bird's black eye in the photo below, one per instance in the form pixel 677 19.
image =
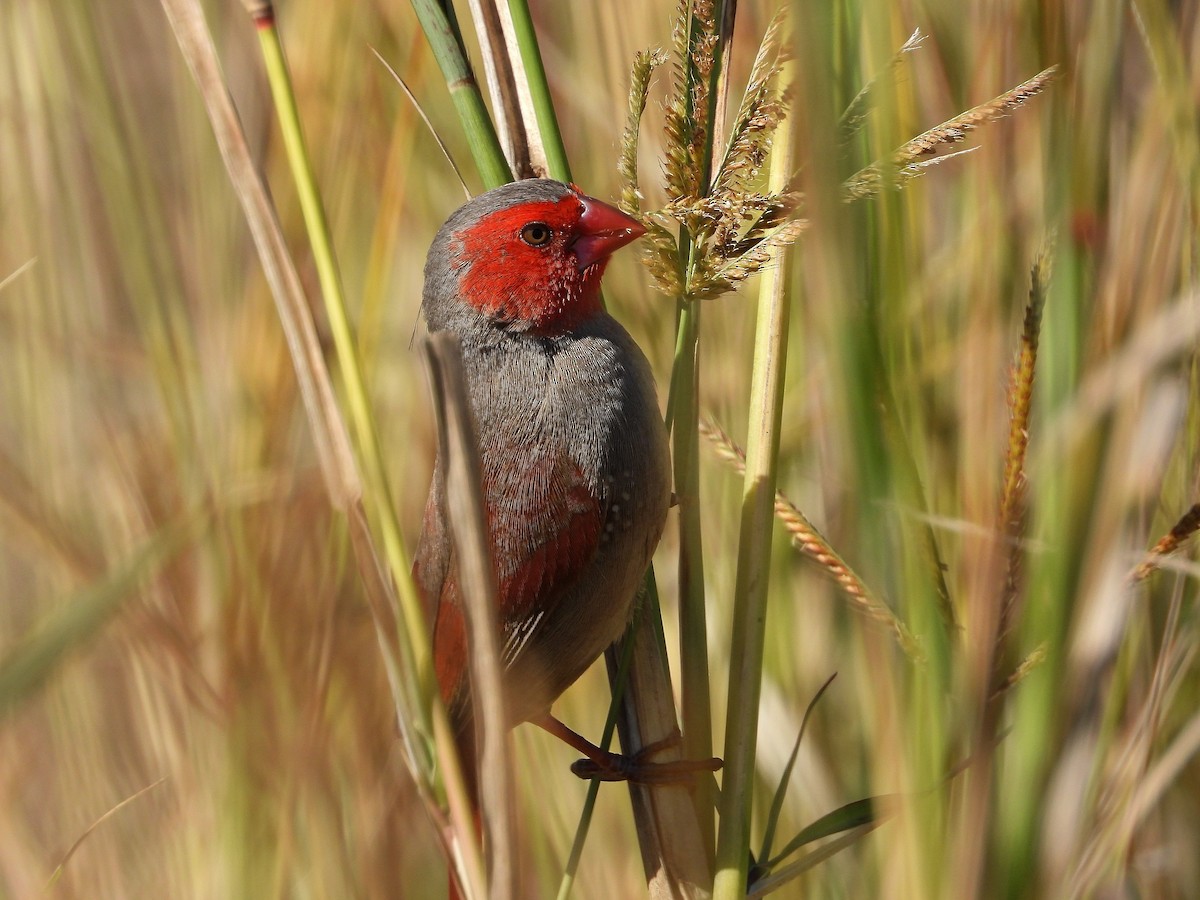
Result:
pixel 536 234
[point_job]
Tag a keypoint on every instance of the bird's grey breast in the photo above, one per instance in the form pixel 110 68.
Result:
pixel 589 394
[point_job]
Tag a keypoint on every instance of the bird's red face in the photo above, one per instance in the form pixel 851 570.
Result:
pixel 537 264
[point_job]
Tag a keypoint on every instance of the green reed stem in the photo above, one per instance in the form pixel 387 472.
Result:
pixel 754 560
pixel 447 48
pixel 684 419
pixel 539 90
pixel 696 711
pixel 378 493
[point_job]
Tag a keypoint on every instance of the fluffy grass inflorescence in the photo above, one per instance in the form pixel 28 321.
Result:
pixel 733 227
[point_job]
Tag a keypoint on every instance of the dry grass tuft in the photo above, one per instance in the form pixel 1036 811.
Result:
pixel 808 540
pixel 730 230
pixel 1171 542
pixel 906 163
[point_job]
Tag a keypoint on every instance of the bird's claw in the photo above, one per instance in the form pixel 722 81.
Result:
pixel 639 767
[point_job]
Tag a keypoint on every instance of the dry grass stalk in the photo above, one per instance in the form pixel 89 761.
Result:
pixel 259 10
pixel 508 85
pixel 856 113
pixel 329 432
pixel 903 165
pixel 673 857
pixel 720 106
pixel 730 229
pixel 458 446
pixel 1188 525
pixel 809 541
pixel 1020 398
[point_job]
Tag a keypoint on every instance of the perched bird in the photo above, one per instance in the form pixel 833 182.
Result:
pixel 575 467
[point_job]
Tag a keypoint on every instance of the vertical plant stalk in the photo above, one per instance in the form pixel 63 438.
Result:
pixel 458 446
pixel 539 91
pixel 508 85
pixel 684 421
pixel 696 711
pixel 430 713
pixel 673 853
pixel 992 633
pixel 443 39
pixel 338 465
pixel 379 495
pixel 754 558
pixel 618 658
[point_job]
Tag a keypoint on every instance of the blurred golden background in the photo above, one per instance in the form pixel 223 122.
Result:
pixel 223 678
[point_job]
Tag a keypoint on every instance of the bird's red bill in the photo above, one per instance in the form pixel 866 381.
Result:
pixel 603 229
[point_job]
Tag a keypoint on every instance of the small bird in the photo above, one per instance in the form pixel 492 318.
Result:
pixel 575 465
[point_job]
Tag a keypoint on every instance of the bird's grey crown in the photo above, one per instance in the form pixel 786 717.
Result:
pixel 529 191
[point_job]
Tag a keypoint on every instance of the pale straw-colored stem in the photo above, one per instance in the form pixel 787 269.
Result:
pixel 754 563
pixel 459 450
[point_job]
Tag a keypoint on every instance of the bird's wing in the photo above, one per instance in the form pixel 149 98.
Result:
pixel 545 525
pixel 543 548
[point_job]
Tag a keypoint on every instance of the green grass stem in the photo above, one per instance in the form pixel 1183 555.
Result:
pixel 539 89
pixel 378 494
pixel 754 562
pixel 447 48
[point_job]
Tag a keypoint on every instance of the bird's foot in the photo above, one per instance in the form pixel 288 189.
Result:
pixel 639 767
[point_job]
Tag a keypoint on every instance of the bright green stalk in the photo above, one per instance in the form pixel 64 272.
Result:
pixel 754 559
pixel 339 323
pixel 464 91
pixel 539 90
pixel 696 711
pixel 378 493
